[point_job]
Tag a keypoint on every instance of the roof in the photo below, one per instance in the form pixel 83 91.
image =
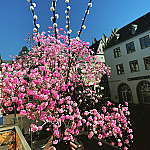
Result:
pixel 24 51
pixel 95 43
pixel 140 25
pixel 7 61
pixel 94 47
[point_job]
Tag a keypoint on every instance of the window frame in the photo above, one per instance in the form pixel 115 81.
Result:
pixel 116 52
pixel 144 42
pixel 120 72
pixel 125 93
pixel 145 64
pixel 143 88
pixel 132 50
pixel 134 64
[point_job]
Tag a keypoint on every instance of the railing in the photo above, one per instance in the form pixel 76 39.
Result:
pixel 12 138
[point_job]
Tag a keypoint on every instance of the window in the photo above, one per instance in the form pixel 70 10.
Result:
pixel 143 92
pixel 145 42
pixel 133 28
pixel 120 69
pixel 134 67
pixel 130 47
pixel 147 63
pixel 117 52
pixel 124 93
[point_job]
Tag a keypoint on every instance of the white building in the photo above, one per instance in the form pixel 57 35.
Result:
pixel 127 52
pixel 97 48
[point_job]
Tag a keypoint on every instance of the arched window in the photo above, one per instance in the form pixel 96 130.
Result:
pixel 124 93
pixel 143 92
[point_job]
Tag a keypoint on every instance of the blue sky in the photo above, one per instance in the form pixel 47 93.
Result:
pixel 16 19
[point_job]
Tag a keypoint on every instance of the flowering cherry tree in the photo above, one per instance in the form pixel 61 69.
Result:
pixel 51 84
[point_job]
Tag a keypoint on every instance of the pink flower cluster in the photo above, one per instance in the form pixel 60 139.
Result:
pixel 45 85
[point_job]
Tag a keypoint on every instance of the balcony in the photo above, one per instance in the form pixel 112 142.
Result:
pixel 12 138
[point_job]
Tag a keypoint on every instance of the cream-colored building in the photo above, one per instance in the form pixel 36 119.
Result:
pixel 128 55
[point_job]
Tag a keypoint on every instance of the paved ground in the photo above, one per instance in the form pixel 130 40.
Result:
pixel 4 147
pixel 9 120
pixel 140 119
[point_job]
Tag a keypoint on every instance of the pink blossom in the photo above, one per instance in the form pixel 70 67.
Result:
pixel 100 143
pixel 131 136
pixel 34 129
pixel 47 129
pixel 67 138
pixel 39 127
pixel 54 93
pixel 130 131
pixel 56 133
pixel 22 112
pixel 55 142
pixel 32 125
pixel 53 81
pixel 2 110
pixel 76 131
pixel 99 136
pixel 10 108
pixel 86 113
pixel 126 103
pixel 90 135
pixel 104 109
pixel 14 99
pixel 127 141
pixel 72 88
pixel 90 118
pixel 119 144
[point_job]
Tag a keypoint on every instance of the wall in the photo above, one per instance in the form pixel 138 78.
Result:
pixel 139 54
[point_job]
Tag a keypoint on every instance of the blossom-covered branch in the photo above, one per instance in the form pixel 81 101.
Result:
pixel 36 26
pixel 86 12
pixel 68 21
pixel 33 5
pixel 55 16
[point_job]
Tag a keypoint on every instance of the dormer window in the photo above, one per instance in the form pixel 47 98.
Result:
pixel 133 28
pixel 116 37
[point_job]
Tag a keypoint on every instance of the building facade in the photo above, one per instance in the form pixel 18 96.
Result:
pixel 97 47
pixel 128 55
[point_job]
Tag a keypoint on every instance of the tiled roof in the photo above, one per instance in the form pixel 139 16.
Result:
pixel 142 24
